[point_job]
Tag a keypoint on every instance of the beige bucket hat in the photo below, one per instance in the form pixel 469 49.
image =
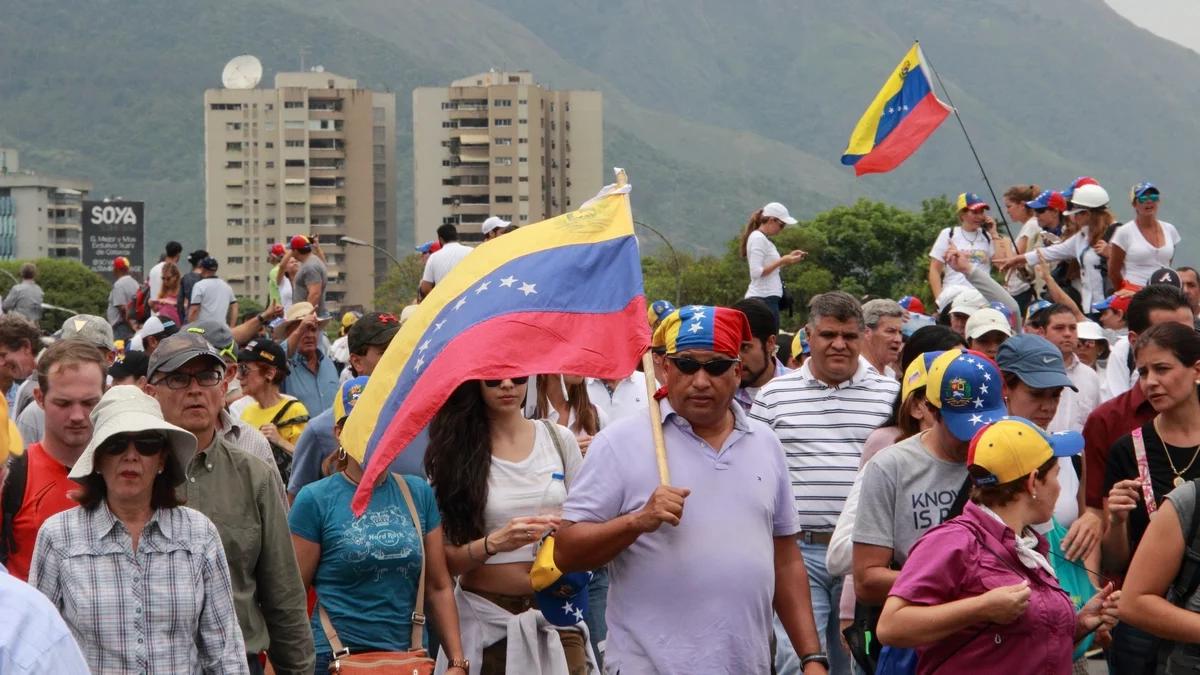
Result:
pixel 126 409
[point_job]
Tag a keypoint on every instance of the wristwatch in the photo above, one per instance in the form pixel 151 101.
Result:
pixel 814 658
pixel 460 663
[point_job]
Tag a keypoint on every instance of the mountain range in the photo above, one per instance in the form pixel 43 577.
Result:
pixel 713 107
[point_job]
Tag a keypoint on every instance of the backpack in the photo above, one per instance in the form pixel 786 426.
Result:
pixel 1173 656
pixel 12 494
pixel 139 307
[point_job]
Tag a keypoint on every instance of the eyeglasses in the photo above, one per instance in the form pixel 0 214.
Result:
pixel 146 446
pixel 690 366
pixel 208 378
pixel 1147 197
pixel 492 384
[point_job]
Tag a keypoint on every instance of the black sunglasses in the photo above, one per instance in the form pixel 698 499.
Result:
pixel 690 366
pixel 146 446
pixel 515 380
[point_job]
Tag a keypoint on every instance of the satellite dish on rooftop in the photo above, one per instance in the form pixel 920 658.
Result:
pixel 242 72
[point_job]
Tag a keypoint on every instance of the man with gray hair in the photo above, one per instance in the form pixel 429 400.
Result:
pixel 883 320
pixel 823 413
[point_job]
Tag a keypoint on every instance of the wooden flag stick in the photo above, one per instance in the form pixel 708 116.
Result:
pixel 660 446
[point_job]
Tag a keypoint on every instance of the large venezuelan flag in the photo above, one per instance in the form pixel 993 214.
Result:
pixel 560 296
pixel 904 113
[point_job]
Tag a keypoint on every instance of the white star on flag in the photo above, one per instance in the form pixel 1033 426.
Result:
pixel 983 388
pixel 527 289
pixel 508 281
pixel 695 328
pixel 460 303
pixel 424 346
pixel 979 366
pixel 978 403
pixel 568 607
pixel 482 287
pixel 578 614
pixel 438 326
pixel 987 377
pixel 420 362
pixel 970 360
pixel 976 419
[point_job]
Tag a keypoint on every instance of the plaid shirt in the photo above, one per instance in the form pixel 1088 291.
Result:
pixel 166 608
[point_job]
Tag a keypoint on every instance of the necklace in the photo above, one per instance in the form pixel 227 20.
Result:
pixel 1178 480
pixel 969 240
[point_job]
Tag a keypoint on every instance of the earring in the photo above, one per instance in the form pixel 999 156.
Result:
pixel 341 454
pixel 1035 496
pixel 160 470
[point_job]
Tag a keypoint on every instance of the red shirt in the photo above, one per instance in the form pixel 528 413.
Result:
pixel 1105 426
pixel 46 489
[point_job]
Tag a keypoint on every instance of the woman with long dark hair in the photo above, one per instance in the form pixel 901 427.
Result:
pixel 766 283
pixel 563 399
pixel 491 469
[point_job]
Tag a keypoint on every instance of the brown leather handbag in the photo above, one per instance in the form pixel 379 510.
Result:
pixel 415 661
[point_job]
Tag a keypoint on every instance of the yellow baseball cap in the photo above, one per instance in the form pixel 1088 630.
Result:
pixel 917 374
pixel 1014 447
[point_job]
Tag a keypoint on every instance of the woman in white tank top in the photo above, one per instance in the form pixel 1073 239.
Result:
pixel 489 467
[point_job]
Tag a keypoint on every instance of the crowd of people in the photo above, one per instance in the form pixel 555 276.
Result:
pixel 884 489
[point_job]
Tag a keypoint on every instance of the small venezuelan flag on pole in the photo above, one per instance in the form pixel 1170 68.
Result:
pixel 904 113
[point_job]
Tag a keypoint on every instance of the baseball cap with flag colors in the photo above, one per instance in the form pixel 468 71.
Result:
pixel 1013 447
pixel 657 310
pixel 300 243
pixel 971 201
pixel 720 329
pixel 1076 184
pixel 967 388
pixel 917 374
pixel 912 303
pixel 120 264
pixel 347 396
pixel 1049 199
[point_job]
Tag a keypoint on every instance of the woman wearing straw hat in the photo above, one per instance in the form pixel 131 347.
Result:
pixel 141 581
pixel 979 589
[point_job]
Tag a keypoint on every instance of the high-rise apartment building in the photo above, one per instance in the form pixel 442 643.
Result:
pixel 39 214
pixel 500 144
pixel 315 155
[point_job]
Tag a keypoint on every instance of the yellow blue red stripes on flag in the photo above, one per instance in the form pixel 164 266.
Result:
pixel 560 296
pixel 904 113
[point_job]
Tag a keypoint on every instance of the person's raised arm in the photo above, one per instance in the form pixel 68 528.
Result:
pixel 1057 294
pixel 585 546
pixel 1122 499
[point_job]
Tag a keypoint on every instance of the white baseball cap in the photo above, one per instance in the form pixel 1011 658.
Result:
pixel 1089 330
pixel 777 210
pixel 968 302
pixel 1087 197
pixel 494 223
pixel 986 320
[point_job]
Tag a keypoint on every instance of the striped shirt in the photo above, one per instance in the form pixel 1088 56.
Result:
pixel 822 429
pixel 166 607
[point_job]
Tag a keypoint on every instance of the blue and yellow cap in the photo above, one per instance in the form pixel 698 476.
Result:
pixel 657 311
pixel 347 396
pixel 917 374
pixel 971 201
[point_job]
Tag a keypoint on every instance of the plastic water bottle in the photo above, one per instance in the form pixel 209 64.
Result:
pixel 553 497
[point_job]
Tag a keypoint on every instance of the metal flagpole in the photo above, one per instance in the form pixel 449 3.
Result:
pixel 988 183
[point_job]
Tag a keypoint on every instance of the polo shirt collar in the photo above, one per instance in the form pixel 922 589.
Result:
pixel 740 421
pixel 864 367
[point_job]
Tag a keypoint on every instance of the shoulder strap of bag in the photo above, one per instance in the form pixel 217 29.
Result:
pixel 558 444
pixel 1143 464
pixel 418 615
pixel 283 411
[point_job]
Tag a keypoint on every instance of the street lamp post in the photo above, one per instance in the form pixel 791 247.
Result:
pixel 674 257
pixel 359 242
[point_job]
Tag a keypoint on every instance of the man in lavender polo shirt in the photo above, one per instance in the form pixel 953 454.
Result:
pixel 696 596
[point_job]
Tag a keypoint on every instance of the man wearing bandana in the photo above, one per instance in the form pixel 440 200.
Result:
pixel 697 567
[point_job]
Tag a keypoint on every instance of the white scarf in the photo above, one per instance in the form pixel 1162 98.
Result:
pixel 1026 546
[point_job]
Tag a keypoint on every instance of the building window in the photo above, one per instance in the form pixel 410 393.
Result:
pixel 270 165
pixel 293 162
pixel 502 180
pixel 446 162
pixel 522 121
pixel 502 103
pixel 523 179
pixel 449 124
pixel 504 161
pixel 233 126
pixel 233 241
pixel 235 260
pixel 503 141
pixel 233 221
pixel 523 101
pixel 233 165
pixel 503 199
pixel 524 160
pixel 295 221
pixel 522 141
pixel 293 144
pixel 269 145
pixel 524 198
pixel 225 106
pixel 233 147
pixel 293 104
pixel 502 122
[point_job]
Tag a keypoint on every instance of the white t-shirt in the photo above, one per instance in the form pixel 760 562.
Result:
pixel 440 263
pixel 760 252
pixel 154 278
pixel 1142 259
pixel 515 488
pixel 1016 284
pixel 285 292
pixel 976 243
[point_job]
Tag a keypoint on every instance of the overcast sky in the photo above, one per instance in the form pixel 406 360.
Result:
pixel 1177 20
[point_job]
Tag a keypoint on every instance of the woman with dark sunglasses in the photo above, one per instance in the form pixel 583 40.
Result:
pixel 1142 246
pixel 490 467
pixel 141 580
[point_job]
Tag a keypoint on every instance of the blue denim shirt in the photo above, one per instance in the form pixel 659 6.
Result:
pixel 315 390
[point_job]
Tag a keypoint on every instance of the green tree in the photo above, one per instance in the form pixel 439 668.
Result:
pixel 399 288
pixel 66 284
pixel 248 307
